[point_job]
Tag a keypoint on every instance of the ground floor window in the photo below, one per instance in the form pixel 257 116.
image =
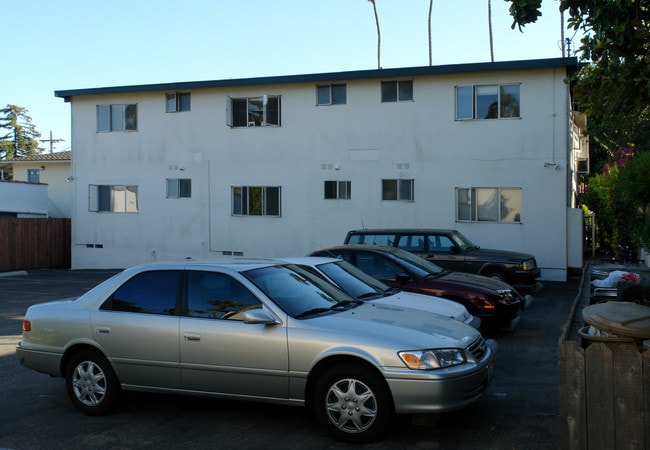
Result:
pixel 397 190
pixel 495 204
pixel 256 200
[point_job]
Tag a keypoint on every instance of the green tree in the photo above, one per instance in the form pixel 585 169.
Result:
pixel 18 136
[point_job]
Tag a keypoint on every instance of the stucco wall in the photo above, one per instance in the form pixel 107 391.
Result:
pixel 362 141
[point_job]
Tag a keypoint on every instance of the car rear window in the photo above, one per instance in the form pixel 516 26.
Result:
pixel 387 240
pixel 151 292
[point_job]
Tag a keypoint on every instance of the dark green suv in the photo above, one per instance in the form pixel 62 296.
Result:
pixel 451 250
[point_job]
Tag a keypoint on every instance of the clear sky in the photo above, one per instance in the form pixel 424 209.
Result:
pixel 54 45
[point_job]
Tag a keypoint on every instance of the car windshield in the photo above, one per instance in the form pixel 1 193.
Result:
pixel 297 291
pixel 418 265
pixel 353 280
pixel 462 241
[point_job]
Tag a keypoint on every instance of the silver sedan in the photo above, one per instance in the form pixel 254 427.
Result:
pixel 256 330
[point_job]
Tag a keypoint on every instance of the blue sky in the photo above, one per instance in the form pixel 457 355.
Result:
pixel 72 44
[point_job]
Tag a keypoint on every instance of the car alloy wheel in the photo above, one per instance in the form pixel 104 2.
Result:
pixel 91 383
pixel 353 403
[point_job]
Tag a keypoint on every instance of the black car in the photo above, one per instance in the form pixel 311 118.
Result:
pixel 496 303
pixel 451 250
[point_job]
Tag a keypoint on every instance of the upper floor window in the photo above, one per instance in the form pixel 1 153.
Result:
pixel 256 200
pixel 179 101
pixel 341 190
pixel 397 91
pixel 494 101
pixel 488 204
pixel 261 111
pixel 179 187
pixel 117 117
pixel 397 190
pixel 113 198
pixel 331 94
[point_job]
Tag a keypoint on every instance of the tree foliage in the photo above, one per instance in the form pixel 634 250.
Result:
pixel 613 88
pixel 18 135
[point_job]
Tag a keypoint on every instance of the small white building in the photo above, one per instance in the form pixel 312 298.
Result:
pixel 286 165
pixel 40 186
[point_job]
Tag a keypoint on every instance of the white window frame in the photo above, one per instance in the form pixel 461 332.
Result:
pixel 113 198
pixel 117 117
pixel 465 111
pixel 243 201
pixel 404 189
pixel 253 118
pixel 178 102
pixel 336 94
pixel 179 188
pixel 488 204
pixel 341 190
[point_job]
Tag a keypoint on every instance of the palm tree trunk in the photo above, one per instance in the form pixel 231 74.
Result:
pixel 374 7
pixel 490 30
pixel 430 8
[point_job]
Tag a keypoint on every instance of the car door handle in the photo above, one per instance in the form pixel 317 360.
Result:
pixel 192 337
pixel 104 330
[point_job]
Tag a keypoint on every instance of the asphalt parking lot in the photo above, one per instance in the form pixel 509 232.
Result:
pixel 519 411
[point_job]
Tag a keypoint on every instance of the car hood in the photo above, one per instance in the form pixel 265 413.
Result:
pixel 427 303
pixel 476 280
pixel 411 328
pixel 500 255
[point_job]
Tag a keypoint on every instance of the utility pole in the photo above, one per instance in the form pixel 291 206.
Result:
pixel 51 140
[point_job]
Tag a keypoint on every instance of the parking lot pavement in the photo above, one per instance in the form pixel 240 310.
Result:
pixel 519 410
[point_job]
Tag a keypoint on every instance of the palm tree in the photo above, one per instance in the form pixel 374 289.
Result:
pixel 374 7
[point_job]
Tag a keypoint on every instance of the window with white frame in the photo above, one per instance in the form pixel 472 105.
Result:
pixel 179 187
pixel 179 101
pixel 256 200
pixel 112 198
pixel 338 190
pixel 495 204
pixel 493 101
pixel 398 189
pixel 397 91
pixel 261 111
pixel 331 94
pixel 117 118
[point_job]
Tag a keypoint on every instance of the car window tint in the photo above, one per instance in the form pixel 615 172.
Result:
pixel 151 292
pixel 218 296
pixel 444 244
pixel 377 266
pixel 411 243
pixel 387 240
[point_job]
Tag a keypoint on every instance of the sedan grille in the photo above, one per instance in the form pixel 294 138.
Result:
pixel 478 348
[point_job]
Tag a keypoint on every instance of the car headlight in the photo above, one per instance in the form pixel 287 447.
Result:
pixel 529 265
pixel 433 359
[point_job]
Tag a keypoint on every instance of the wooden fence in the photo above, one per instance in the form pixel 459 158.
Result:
pixel 34 244
pixel 604 391
pixel 604 396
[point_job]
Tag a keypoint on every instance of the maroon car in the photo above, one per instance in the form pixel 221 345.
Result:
pixel 495 302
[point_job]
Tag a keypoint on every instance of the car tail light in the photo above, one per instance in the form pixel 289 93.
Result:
pixel 27 325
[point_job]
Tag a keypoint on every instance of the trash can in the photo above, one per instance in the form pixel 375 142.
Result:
pixel 616 323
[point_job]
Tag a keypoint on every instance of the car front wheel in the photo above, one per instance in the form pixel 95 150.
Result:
pixel 353 403
pixel 91 384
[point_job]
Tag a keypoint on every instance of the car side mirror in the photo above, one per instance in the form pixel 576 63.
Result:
pixel 455 249
pixel 402 278
pixel 259 316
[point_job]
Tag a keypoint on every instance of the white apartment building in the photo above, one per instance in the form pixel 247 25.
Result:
pixel 285 165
